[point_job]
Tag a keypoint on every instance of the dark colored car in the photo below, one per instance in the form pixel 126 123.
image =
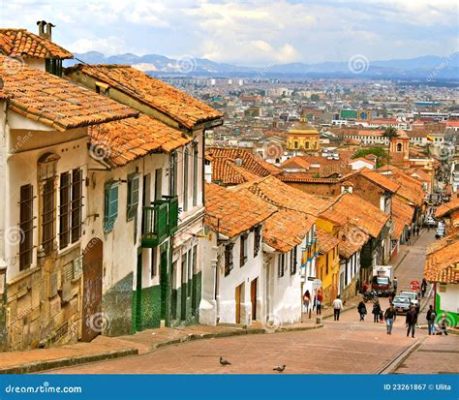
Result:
pixel 381 285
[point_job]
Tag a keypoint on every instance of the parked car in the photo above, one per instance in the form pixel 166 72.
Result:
pixel 401 304
pixel 381 285
pixel 440 230
pixel 430 221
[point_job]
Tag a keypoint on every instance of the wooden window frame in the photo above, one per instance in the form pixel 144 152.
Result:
pixel 110 217
pixel 281 265
pixel 48 215
pixel 65 193
pixel 256 241
pixel 133 196
pixel 229 262
pixel 293 260
pixel 243 249
pixel 26 219
pixel 77 204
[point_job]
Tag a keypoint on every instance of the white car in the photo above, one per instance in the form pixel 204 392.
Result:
pixel 430 221
pixel 413 296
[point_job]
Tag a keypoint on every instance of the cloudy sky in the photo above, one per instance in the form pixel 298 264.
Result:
pixel 250 32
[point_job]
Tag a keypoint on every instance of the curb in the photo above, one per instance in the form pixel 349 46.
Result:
pixel 224 334
pixel 38 366
pixel 395 363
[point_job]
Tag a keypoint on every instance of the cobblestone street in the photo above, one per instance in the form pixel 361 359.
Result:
pixel 347 346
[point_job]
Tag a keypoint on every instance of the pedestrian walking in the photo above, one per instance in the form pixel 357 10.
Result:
pixel 431 316
pixel 318 302
pixel 411 320
pixel 395 284
pixel 337 307
pixel 307 302
pixel 376 311
pixel 362 309
pixel 443 325
pixel 423 287
pixel 389 316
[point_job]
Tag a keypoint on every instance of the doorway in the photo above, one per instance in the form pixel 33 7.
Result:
pixel 238 301
pixel 92 288
pixel 253 298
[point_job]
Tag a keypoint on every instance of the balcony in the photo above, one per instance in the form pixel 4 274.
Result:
pixel 160 220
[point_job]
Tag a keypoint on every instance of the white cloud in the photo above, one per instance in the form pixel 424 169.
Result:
pixel 109 46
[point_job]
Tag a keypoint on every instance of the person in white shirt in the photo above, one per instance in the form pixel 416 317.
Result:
pixel 337 307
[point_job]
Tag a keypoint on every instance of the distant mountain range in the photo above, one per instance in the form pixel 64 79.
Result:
pixel 426 68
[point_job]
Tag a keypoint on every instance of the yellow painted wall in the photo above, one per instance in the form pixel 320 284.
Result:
pixel 302 141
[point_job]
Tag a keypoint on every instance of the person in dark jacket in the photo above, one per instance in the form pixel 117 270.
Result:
pixel 411 320
pixel 423 287
pixel 362 309
pixel 376 311
pixel 390 316
pixel 430 317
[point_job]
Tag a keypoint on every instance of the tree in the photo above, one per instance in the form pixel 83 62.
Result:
pixel 390 132
pixel 379 152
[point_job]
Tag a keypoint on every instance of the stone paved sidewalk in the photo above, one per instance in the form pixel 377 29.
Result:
pixel 103 347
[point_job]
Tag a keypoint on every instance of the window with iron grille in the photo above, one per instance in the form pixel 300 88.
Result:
pixel 257 241
pixel 154 269
pixel 243 250
pixel 64 209
pixel 47 216
pixel 185 178
pixel 195 173
pixel 77 203
pixel 26 226
pixel 281 265
pixel 293 260
pixel 133 196
pixel 111 206
pixel 228 258
pixel 173 174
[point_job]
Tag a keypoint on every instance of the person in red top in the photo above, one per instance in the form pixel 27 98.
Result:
pixel 319 300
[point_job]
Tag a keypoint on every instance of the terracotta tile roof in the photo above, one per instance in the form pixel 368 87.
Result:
pixel 20 42
pixel 352 209
pixel 282 195
pixel 252 163
pixel 56 102
pixel 380 180
pixel 297 162
pixel 226 172
pixel 175 103
pixel 410 188
pixel 351 240
pixel 286 229
pixel 442 261
pixel 326 241
pixel 120 142
pixel 447 208
pixel 231 213
pixel 402 215
pixel 305 177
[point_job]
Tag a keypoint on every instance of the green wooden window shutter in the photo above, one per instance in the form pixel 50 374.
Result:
pixel 133 196
pixel 111 206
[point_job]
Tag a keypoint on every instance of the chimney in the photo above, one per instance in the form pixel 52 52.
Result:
pixel 49 30
pixel 346 187
pixel 45 29
pixel 41 28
